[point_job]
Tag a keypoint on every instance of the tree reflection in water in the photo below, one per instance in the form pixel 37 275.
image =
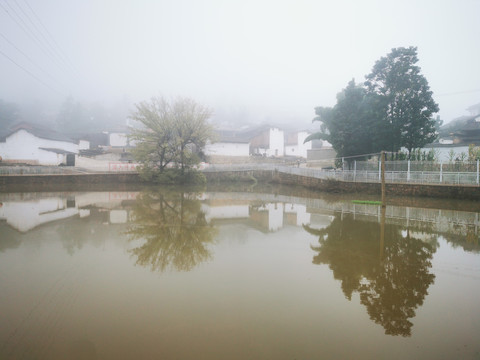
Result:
pixel 174 230
pixel 390 272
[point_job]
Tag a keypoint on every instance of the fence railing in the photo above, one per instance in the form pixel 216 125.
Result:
pixel 37 170
pixel 106 167
pixel 459 173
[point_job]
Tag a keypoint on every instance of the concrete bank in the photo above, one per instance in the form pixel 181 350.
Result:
pixel 83 181
pixel 465 192
pixel 60 182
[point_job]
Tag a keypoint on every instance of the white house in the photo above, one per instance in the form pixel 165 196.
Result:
pixel 225 148
pixel 36 145
pixel 294 145
pixel 230 143
pixel 270 141
pixel 455 146
pixel 118 139
pixel 263 140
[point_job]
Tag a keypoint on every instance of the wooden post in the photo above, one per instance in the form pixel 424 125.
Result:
pixel 477 171
pixel 382 231
pixel 408 170
pixel 354 170
pixel 383 177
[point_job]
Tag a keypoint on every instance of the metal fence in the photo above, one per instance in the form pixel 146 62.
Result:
pixel 106 167
pixel 238 167
pixel 36 170
pixel 456 173
pixel 396 172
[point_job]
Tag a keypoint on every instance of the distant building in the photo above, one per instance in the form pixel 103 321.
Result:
pixel 469 133
pixel 294 145
pixel 38 145
pixel 447 152
pixel 455 145
pixel 269 142
pixel 229 144
pixel 118 139
pixel 321 154
pixel 238 145
pixel 474 109
pixel 264 140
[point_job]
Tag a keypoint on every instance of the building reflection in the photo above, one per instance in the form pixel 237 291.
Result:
pixel 264 212
pixel 382 255
pixel 261 214
pixel 25 212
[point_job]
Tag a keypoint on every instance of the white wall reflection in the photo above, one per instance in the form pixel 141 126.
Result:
pixel 25 213
pixel 266 212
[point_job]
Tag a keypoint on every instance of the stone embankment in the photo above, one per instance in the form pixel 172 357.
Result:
pixel 463 192
pixel 74 181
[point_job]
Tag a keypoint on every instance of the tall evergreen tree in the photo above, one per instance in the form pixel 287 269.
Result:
pixel 394 110
pixel 407 99
pixel 347 126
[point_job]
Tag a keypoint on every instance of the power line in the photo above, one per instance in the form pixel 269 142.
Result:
pixel 50 35
pixel 26 29
pixel 30 59
pixel 36 28
pixel 459 92
pixel 29 73
pixel 40 32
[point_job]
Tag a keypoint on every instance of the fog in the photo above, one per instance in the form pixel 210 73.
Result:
pixel 251 61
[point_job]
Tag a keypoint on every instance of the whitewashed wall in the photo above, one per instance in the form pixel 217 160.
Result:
pixel 300 149
pixel 83 145
pixel 227 149
pixel 277 143
pixel 118 139
pixel 275 216
pixel 50 158
pixel 443 153
pixel 27 215
pixel 303 217
pixel 225 212
pixel 23 145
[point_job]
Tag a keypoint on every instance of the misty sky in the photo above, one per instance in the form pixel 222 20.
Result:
pixel 265 61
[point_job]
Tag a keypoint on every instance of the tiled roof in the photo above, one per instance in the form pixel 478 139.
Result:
pixel 37 130
pixel 240 136
pixel 57 151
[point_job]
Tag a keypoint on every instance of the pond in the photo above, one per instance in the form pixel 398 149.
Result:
pixel 182 274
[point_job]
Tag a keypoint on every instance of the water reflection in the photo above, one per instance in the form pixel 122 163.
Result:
pixel 61 255
pixel 388 267
pixel 174 231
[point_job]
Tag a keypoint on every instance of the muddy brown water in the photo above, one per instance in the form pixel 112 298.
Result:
pixel 179 274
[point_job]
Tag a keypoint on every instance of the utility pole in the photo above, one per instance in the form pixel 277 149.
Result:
pixel 382 155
